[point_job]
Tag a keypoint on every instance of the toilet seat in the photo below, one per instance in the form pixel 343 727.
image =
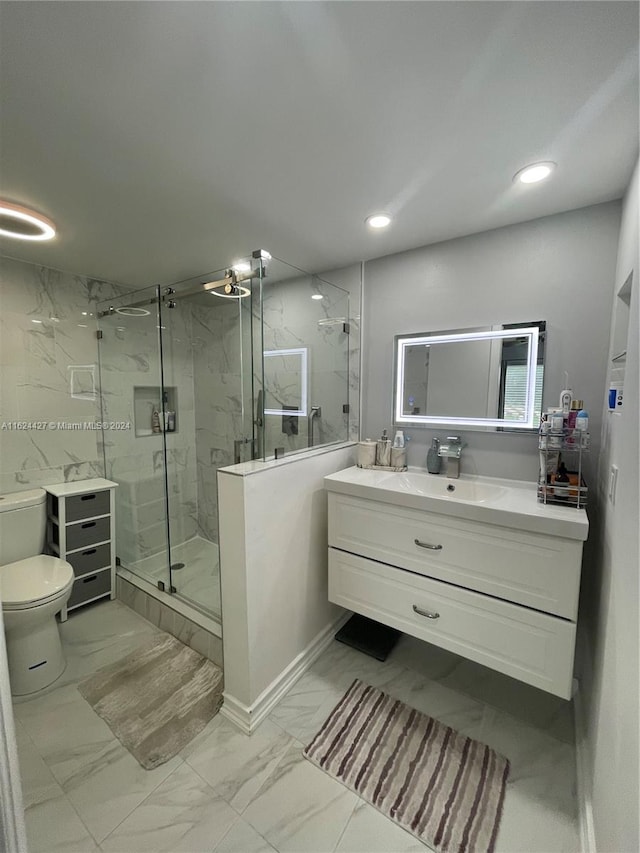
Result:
pixel 34 581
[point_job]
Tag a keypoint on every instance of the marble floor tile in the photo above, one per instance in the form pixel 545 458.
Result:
pixel 451 707
pixel 307 705
pixel 182 815
pixel 369 831
pixel 98 635
pixel 106 789
pixel 234 764
pixel 299 808
pixel 520 700
pixel 242 838
pixel 424 658
pixel 53 826
pixel 38 783
pixel 540 764
pixel 65 730
pixel 531 826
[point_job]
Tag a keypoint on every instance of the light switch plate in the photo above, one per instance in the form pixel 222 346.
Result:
pixel 613 482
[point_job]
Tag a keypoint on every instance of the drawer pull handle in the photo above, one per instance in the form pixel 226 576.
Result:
pixel 428 613
pixel 89 580
pixel 88 498
pixel 90 551
pixel 88 524
pixel 428 545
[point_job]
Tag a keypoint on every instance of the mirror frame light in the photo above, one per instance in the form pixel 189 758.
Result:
pixel 403 341
pixel 302 352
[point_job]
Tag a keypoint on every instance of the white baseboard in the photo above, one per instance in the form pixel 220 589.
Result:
pixel 248 717
pixel 583 777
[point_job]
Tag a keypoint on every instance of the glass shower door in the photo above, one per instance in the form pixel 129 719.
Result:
pixel 208 423
pixel 131 394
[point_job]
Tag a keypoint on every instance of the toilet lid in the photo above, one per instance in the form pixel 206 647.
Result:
pixel 33 581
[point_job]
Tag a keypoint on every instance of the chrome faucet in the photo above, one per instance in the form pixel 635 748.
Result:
pixel 452 451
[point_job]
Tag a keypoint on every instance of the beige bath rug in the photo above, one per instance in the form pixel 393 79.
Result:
pixel 157 698
pixel 443 787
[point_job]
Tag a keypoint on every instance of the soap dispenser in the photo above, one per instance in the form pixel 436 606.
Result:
pixel 434 461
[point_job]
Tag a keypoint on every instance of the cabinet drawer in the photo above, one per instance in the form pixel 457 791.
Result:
pixel 85 533
pixel 527 645
pixel 87 506
pixel 91 586
pixel 90 559
pixel 538 571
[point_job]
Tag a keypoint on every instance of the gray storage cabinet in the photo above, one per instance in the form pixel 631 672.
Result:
pixel 81 530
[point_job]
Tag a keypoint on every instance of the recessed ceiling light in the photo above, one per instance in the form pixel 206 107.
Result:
pixel 534 173
pixel 316 296
pixel 24 224
pixel 378 220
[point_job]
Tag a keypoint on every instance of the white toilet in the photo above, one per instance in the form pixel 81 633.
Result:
pixel 33 588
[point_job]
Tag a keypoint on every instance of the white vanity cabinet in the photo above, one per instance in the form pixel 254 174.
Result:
pixel 501 595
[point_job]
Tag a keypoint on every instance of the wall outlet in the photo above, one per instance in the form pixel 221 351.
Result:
pixel 613 482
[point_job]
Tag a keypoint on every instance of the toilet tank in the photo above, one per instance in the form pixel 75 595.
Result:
pixel 23 523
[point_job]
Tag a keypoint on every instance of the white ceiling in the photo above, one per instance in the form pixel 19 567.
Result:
pixel 166 139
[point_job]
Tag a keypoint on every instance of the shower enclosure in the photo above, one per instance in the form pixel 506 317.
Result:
pixel 239 364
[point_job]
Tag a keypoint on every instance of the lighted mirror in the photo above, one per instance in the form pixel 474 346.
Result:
pixel 285 382
pixel 471 378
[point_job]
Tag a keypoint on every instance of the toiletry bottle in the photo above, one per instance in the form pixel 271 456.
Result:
pixel 543 432
pixel 383 450
pixel 565 401
pixel 155 421
pixel 582 424
pixel 576 405
pixel 434 462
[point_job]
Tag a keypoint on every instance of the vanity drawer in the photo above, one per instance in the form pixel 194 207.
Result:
pixel 91 559
pixel 91 586
pixel 527 645
pixel 85 533
pixel 542 572
pixel 87 506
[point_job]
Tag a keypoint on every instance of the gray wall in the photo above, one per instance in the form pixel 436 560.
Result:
pixel 557 269
pixel 611 591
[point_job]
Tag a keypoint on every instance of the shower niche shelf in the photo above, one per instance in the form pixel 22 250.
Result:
pixel 146 398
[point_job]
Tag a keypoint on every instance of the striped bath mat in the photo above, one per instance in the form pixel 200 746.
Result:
pixel 443 787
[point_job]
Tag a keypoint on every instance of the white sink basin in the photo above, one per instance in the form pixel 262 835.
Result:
pixel 463 489
pixel 509 503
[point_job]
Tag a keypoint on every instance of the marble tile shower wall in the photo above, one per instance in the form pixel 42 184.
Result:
pixel 218 411
pixel 292 320
pixel 130 360
pixel 48 349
